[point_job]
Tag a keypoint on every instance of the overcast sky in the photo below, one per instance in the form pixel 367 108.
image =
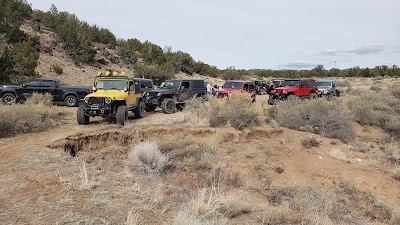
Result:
pixel 274 34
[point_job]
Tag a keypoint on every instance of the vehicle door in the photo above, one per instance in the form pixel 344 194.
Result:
pixel 303 90
pixel 252 88
pixel 133 91
pixel 47 87
pixel 30 87
pixel 185 91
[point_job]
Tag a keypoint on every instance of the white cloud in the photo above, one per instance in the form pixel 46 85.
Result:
pixel 298 65
pixel 359 50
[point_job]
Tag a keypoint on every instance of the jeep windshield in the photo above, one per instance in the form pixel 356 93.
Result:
pixel 230 84
pixel 112 84
pixel 291 82
pixel 323 83
pixel 171 84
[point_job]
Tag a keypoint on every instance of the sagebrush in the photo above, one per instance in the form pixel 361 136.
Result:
pixel 328 118
pixel 146 156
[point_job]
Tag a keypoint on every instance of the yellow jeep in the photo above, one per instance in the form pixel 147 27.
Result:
pixel 113 96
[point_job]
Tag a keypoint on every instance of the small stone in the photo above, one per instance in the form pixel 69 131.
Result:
pixel 280 169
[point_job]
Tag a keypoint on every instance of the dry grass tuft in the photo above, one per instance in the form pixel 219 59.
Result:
pixel 37 114
pixel 237 111
pixel 328 118
pixel 396 173
pixel 310 142
pixel 146 156
pixel 336 153
pixel 210 206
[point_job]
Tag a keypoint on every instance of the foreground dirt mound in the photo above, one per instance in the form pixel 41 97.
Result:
pixel 268 167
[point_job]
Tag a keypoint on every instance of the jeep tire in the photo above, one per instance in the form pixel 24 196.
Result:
pixel 71 101
pixel 291 97
pixel 150 108
pixel 168 106
pixel 312 96
pixel 81 117
pixel 139 110
pixel 122 115
pixel 337 93
pixel 9 99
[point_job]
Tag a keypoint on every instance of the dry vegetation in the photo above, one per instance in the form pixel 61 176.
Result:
pixel 209 168
pixel 327 118
pixel 37 114
pixel 237 111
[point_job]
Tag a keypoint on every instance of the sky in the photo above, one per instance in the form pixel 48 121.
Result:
pixel 254 34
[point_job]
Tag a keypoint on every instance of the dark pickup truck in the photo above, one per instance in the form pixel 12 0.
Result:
pixel 70 95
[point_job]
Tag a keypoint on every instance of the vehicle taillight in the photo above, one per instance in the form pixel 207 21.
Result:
pixel 87 92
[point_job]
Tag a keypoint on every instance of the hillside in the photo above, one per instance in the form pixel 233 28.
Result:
pixel 51 52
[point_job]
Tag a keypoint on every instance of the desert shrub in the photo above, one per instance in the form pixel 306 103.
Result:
pixel 396 173
pixel 40 99
pixel 34 116
pixel 237 111
pixel 57 68
pixel 158 73
pixel 393 150
pixel 396 92
pixel 344 84
pixel 146 156
pixel 210 206
pixel 328 118
pixel 376 88
pixel 310 142
pixel 372 109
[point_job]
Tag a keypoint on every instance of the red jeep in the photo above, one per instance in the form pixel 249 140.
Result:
pixel 236 85
pixel 299 88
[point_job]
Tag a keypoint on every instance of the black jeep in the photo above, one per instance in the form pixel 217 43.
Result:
pixel 173 94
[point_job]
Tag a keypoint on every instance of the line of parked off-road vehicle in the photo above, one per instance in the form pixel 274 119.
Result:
pixel 114 95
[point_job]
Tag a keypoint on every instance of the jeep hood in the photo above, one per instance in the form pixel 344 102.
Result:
pixel 285 88
pixel 228 90
pixel 164 90
pixel 113 94
pixel 10 86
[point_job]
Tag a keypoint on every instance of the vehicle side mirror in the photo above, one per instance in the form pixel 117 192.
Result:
pixel 94 89
pixel 125 89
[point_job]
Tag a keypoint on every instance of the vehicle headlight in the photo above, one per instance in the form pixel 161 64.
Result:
pixel 159 94
pixel 107 100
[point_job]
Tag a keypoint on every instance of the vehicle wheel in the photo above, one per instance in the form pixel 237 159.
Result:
pixel 312 96
pixel 121 115
pixel 168 106
pixel 9 99
pixel 139 110
pixel 337 93
pixel 150 108
pixel 81 117
pixel 71 101
pixel 329 96
pixel 291 97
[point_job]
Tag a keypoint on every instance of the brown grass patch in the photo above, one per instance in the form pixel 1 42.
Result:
pixel 37 114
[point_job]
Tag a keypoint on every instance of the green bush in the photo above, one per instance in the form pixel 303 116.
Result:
pixel 57 68
pixel 158 73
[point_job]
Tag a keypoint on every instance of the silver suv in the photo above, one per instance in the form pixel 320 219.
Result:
pixel 327 88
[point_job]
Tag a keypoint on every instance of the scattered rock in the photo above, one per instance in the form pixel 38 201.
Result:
pixel 279 169
pixel 102 61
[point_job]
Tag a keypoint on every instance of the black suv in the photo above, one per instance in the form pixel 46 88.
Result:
pixel 70 95
pixel 261 86
pixel 173 94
